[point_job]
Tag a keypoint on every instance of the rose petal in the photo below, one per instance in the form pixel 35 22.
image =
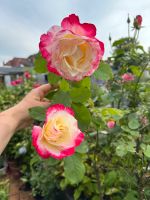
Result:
pixel 79 139
pixel 73 24
pixel 36 132
pixel 58 107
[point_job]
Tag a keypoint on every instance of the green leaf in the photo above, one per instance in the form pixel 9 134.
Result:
pixel 136 70
pixel 96 197
pixel 130 146
pixel 119 51
pixel 62 98
pixel 83 115
pixel 119 42
pixel 53 78
pixel 83 148
pixel 40 64
pixel 52 161
pixel 121 150
pixel 133 122
pixel 147 191
pixel 51 94
pixel 64 85
pixel 132 132
pixel 124 147
pixel 86 82
pixel 114 113
pixel 63 184
pixel 77 192
pixel 131 195
pixel 141 48
pixel 38 113
pixel 147 151
pixel 80 95
pixel 104 72
pixel 110 178
pixel 74 169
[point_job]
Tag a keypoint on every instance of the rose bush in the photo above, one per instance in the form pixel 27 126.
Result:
pixel 113 161
pixel 72 51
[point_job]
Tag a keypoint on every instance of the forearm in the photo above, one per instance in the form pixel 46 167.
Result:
pixel 18 116
pixel 9 123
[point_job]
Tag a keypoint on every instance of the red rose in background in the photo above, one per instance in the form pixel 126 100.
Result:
pixel 27 75
pixel 137 22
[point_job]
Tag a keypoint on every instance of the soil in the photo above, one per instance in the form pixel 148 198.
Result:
pixel 16 191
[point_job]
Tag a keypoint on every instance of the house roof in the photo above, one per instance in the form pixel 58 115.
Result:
pixel 7 70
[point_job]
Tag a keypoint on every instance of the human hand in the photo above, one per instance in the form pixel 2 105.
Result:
pixel 18 116
pixel 36 97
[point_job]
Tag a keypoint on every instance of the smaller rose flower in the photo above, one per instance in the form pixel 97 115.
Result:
pixel 27 75
pixel 137 22
pixel 19 80
pixel 16 82
pixel 127 77
pixel 111 124
pixel 13 83
pixel 59 135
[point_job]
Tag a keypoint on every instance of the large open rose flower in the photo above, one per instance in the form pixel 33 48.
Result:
pixel 72 51
pixel 59 135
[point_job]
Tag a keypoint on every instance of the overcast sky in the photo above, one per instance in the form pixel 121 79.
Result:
pixel 23 21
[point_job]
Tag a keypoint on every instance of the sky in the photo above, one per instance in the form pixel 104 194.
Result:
pixel 23 21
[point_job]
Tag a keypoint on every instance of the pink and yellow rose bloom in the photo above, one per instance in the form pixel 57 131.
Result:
pixel 71 50
pixel 59 135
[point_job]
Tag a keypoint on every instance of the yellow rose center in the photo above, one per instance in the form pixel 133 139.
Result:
pixel 74 55
pixel 59 131
pixel 54 130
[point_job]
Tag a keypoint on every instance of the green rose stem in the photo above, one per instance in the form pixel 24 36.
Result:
pixel 121 96
pixel 96 169
pixel 136 85
pixel 140 176
pixel 134 37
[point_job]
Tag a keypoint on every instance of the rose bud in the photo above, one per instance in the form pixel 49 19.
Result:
pixel 111 124
pixel 137 22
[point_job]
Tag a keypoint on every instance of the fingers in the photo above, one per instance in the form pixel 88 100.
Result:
pixel 45 104
pixel 42 90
